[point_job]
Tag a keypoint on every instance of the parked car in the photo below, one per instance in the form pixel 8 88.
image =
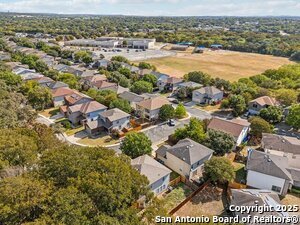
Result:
pixel 171 123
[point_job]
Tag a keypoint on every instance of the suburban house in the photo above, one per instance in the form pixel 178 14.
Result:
pixel 60 67
pixel 90 81
pixel 142 72
pixel 260 103
pixel 56 84
pixel 79 113
pixel 149 108
pixel 103 85
pixel 272 172
pixel 133 69
pixel 255 197
pixel 238 128
pixel 284 146
pixel 110 120
pixel 132 98
pixel 59 95
pixel 119 89
pixel 157 174
pixel 187 157
pixel 102 63
pixel 45 81
pixel 77 98
pixel 207 95
pixel 190 84
pixel 169 83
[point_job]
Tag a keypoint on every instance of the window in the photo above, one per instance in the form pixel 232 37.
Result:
pixel 254 105
pixel 276 188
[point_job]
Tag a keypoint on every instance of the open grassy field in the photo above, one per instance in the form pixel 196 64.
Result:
pixel 228 65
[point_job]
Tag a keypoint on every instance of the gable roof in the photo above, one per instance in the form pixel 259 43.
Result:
pixel 209 90
pixel 103 84
pixel 114 114
pixel 43 80
pixel 233 127
pixel 188 151
pixel 87 107
pixel 149 167
pixel 174 80
pixel 75 97
pixel 265 100
pixel 63 91
pixel 281 143
pixel 57 84
pixel 272 165
pixel 153 103
pixel 253 197
pixel 190 84
pixel 131 97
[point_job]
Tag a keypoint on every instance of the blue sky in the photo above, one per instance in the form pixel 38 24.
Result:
pixel 158 7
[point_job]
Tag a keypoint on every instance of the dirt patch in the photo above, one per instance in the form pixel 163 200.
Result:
pixel 224 64
pixel 210 201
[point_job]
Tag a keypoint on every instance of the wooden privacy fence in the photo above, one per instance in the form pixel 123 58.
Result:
pixel 176 181
pixel 236 185
pixel 174 210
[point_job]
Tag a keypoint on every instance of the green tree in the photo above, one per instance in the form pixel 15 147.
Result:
pixel 220 142
pixel 199 77
pixel 293 118
pixel 286 97
pixel 180 111
pixel 166 112
pixel 22 199
pixel 69 79
pixel 272 114
pixel 119 58
pixel 122 104
pixel 136 144
pixel 141 87
pixel 259 126
pixel 18 148
pixel 70 206
pixel 219 169
pixel 41 66
pixel 10 78
pixel 144 65
pixel 39 97
pixel 194 130
pixel 237 104
pixel 150 78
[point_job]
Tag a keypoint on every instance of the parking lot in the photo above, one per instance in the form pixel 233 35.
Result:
pixel 134 54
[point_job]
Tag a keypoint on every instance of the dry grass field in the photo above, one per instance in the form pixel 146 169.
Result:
pixel 224 64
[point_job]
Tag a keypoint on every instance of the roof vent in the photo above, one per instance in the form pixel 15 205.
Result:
pixel 183 159
pixel 256 202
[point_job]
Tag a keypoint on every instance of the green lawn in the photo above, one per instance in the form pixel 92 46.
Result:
pixel 50 112
pixel 176 196
pixel 74 131
pixel 103 140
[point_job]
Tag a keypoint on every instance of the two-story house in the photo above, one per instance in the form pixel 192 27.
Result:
pixel 88 111
pixel 108 121
pixel 260 103
pixel 238 128
pixel 77 98
pixel 169 83
pixel 270 172
pixel 207 95
pixel 59 94
pixel 132 98
pixel 187 157
pixel 149 108
pixel 157 174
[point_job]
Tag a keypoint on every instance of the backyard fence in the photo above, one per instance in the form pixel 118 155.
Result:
pixel 174 210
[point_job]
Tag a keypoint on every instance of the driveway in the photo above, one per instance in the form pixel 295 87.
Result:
pixel 198 113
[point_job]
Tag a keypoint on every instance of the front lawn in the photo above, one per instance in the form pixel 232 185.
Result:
pixel 49 112
pixel 71 131
pixel 102 140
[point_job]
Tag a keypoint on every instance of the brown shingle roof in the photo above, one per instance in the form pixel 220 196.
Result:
pixel 75 97
pixel 153 103
pixel 265 100
pixel 87 107
pixel 114 114
pixel 63 91
pixel 228 126
pixel 281 143
pixel 103 84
